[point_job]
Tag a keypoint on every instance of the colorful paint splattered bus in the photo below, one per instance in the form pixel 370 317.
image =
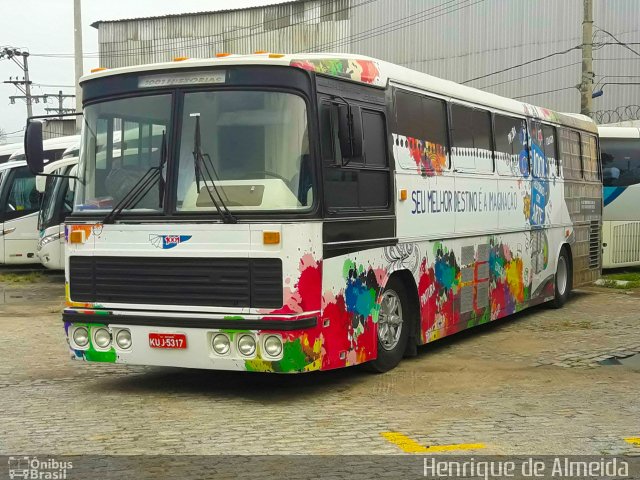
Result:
pixel 620 150
pixel 291 213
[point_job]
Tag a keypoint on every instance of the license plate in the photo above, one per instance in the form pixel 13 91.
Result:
pixel 168 340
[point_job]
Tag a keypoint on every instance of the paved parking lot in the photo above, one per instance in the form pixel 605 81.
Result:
pixel 528 385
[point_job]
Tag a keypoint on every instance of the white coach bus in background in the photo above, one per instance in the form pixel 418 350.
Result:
pixel 620 150
pixel 20 202
pixel 9 149
pixel 57 203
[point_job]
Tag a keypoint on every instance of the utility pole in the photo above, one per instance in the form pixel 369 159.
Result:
pixel 586 101
pixel 60 97
pixel 77 41
pixel 23 85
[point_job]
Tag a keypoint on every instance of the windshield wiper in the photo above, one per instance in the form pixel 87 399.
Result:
pixel 198 162
pixel 142 186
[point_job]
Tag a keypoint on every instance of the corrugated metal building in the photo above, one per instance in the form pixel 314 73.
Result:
pixel 455 39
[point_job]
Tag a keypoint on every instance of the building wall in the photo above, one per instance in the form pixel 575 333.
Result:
pixel 59 128
pixel 455 39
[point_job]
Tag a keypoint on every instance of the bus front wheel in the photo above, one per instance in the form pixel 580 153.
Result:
pixel 393 327
pixel 563 282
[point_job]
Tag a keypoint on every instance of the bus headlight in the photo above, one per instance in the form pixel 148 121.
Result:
pixel 80 336
pixel 220 344
pixel 123 339
pixel 102 337
pixel 247 345
pixel 273 346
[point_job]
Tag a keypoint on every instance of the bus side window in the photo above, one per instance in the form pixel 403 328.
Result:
pixel 471 139
pixel 570 154
pixel 589 157
pixel 510 136
pixel 329 141
pixel 540 162
pixel 23 197
pixel 551 150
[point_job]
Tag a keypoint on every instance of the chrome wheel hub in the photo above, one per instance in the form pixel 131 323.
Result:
pixel 390 320
pixel 561 275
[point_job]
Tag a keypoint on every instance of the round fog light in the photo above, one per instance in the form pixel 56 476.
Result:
pixel 246 345
pixel 123 339
pixel 102 337
pixel 273 346
pixel 80 336
pixel 220 344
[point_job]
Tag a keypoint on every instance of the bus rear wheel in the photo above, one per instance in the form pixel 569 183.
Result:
pixel 393 327
pixel 563 282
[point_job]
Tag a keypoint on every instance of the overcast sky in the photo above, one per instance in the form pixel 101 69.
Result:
pixel 46 26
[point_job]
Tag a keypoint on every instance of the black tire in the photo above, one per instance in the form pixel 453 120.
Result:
pixel 390 356
pixel 563 280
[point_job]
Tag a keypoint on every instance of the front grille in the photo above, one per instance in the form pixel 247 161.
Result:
pixel 211 282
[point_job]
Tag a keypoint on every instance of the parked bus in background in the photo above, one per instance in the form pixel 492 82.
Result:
pixel 57 203
pixel 20 203
pixel 620 150
pixel 7 150
pixel 290 213
pixel 54 148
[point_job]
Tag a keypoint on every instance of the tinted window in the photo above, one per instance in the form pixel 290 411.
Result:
pixel 421 117
pixel 539 160
pixel 375 139
pixel 471 139
pixel 511 145
pixel 570 154
pixel 23 197
pixel 590 157
pixel 551 149
pixel 620 161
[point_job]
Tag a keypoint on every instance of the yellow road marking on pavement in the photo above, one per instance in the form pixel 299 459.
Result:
pixel 633 441
pixel 411 446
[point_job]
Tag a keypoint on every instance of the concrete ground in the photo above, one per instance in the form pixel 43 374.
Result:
pixel 531 384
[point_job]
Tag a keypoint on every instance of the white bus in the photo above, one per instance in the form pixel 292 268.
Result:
pixel 315 211
pixel 620 150
pixel 20 203
pixel 57 203
pixel 7 150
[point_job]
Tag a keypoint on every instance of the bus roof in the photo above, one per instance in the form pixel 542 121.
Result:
pixel 52 144
pixel 41 180
pixel 369 71
pixel 10 148
pixel 618 132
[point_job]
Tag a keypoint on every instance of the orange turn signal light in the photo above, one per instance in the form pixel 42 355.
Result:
pixel 77 236
pixel 96 70
pixel 180 59
pixel 260 52
pixel 271 238
pixel 222 54
pixel 276 55
pixel 403 194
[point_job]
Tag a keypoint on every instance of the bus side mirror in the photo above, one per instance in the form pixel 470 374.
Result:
pixel 350 130
pixel 33 147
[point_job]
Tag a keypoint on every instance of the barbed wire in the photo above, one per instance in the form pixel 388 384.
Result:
pixel 622 113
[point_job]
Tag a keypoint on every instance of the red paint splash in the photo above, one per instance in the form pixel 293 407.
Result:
pixel 369 71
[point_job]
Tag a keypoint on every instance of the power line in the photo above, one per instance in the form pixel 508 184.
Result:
pixel 542 93
pixel 577 47
pixel 623 44
pixel 529 75
pixel 384 29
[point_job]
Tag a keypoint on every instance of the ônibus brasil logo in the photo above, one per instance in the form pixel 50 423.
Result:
pixel 168 241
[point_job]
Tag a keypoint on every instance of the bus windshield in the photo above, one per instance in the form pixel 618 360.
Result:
pixel 252 149
pixel 620 161
pixel 53 208
pixel 255 147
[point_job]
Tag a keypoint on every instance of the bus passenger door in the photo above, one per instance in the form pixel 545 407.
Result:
pixel 20 205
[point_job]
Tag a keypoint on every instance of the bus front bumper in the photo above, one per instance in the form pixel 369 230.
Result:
pixel 283 344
